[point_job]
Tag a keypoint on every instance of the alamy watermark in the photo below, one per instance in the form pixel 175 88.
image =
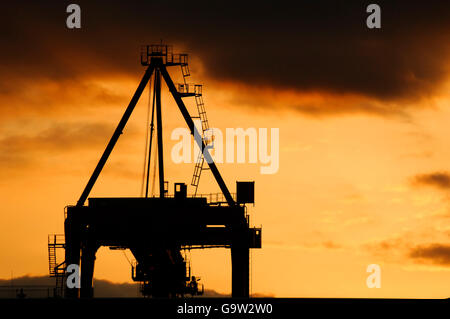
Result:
pixel 237 145
pixel 374 279
pixel 373 21
pixel 73 276
pixel 73 20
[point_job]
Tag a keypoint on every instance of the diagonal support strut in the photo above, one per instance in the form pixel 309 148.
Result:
pixel 112 142
pixel 195 133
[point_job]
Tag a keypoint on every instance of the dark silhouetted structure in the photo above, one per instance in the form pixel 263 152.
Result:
pixel 157 229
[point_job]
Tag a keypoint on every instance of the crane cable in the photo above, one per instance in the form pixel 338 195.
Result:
pixel 146 136
pixel 152 127
pixel 129 261
pixel 154 171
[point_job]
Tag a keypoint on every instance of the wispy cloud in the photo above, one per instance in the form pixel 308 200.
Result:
pixel 435 253
pixel 61 138
pixel 415 247
pixel 59 97
pixel 440 180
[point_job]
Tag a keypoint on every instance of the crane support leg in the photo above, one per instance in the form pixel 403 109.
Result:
pixel 87 270
pixel 72 252
pixel 240 270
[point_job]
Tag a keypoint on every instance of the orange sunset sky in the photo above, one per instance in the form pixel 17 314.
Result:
pixel 364 174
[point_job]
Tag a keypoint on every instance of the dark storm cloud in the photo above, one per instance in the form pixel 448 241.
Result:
pixel 320 46
pixel 435 253
pixel 440 180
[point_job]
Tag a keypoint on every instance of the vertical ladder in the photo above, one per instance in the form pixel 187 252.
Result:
pixel 56 270
pixel 197 93
pixel 59 285
pixel 197 172
pixel 184 66
pixel 199 163
pixel 202 112
pixel 51 259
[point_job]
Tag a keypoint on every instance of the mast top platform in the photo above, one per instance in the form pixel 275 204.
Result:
pixel 164 52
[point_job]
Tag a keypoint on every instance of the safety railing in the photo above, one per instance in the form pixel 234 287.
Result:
pixel 189 88
pixel 215 198
pixel 178 59
pixel 56 240
pixel 211 198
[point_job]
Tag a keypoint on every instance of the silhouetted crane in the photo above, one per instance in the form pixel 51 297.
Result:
pixel 157 229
